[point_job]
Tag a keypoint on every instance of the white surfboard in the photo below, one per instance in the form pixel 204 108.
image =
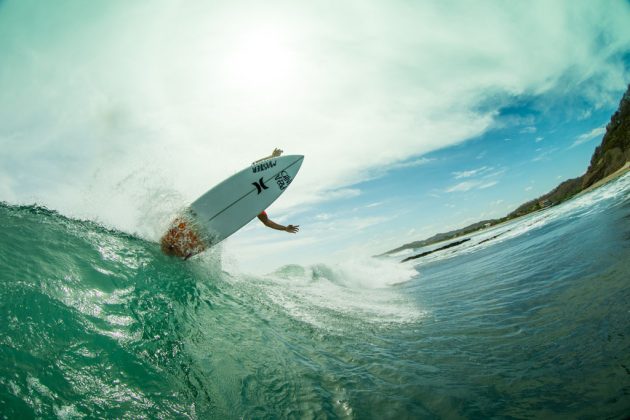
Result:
pixel 234 202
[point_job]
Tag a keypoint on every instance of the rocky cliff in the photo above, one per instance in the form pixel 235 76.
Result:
pixel 614 151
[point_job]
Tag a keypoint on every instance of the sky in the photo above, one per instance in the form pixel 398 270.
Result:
pixel 414 117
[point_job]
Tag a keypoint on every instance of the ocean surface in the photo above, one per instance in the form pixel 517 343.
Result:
pixel 530 319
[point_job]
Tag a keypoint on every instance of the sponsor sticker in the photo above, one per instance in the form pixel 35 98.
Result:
pixel 264 166
pixel 260 185
pixel 283 179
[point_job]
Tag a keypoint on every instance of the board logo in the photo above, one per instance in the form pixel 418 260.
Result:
pixel 283 179
pixel 264 166
pixel 260 185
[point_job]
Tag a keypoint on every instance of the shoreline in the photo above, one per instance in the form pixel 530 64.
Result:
pixel 617 174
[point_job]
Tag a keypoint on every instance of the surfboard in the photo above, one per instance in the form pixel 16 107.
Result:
pixel 230 205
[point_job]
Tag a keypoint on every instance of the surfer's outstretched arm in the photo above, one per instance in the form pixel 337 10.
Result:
pixel 273 225
pixel 276 152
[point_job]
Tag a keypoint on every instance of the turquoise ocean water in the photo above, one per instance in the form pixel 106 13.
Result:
pixel 528 320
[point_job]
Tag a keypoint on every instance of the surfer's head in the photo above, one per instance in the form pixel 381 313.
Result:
pixel 167 246
pixel 181 241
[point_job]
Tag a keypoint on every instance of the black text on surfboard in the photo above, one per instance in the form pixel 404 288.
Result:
pixel 264 166
pixel 260 185
pixel 283 179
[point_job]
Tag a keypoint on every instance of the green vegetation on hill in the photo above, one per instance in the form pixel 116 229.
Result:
pixel 614 151
pixel 609 157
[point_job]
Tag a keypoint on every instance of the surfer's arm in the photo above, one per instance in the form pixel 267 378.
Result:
pixel 276 152
pixel 273 225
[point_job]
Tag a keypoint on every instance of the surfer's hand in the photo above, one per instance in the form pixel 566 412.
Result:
pixel 276 152
pixel 292 228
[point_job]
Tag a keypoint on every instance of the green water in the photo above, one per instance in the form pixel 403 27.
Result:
pixel 97 323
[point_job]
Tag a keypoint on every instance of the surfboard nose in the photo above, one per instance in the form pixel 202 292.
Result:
pixel 297 161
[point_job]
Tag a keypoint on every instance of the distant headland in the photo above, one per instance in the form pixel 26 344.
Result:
pixel 610 160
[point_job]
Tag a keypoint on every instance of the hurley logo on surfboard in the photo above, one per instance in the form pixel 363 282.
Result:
pixel 260 185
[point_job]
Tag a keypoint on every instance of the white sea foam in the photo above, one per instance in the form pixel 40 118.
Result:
pixel 368 273
pixel 336 296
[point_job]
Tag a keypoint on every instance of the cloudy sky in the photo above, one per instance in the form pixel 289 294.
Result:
pixel 414 117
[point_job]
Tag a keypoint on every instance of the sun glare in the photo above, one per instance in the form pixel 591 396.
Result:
pixel 260 61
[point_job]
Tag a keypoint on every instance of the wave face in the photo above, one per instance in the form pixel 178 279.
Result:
pixel 529 319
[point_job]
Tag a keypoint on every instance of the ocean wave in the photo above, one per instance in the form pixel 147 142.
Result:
pixel 339 297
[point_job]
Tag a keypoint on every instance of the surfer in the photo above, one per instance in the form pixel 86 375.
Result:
pixel 182 240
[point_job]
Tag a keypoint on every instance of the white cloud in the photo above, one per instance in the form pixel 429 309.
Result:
pixel 469 185
pixel 528 130
pixel 585 114
pixel 488 184
pixel 322 216
pixel 471 173
pixel 543 154
pixel 594 133
pixel 484 174
pixel 341 193
pixel 380 171
pixel 462 187
pixel 494 174
pixel 410 164
pixel 194 98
